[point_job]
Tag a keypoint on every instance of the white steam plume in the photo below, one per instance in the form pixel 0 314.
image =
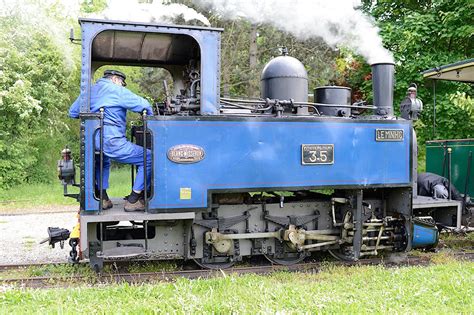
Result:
pixel 149 12
pixel 337 22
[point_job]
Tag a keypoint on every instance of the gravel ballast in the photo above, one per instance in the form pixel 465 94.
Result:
pixel 20 236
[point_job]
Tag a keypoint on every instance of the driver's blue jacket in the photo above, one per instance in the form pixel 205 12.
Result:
pixel 116 100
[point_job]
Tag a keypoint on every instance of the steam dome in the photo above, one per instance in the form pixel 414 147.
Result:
pixel 285 78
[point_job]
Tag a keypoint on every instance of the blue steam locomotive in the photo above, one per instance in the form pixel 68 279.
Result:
pixel 277 176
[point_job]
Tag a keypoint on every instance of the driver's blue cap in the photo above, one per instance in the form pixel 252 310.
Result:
pixel 117 73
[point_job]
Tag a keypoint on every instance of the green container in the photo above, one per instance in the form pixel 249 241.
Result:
pixel 437 159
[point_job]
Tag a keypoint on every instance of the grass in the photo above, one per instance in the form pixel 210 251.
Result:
pixel 442 288
pixel 457 241
pixel 160 266
pixel 30 196
pixel 66 271
pixel 59 271
pixel 28 242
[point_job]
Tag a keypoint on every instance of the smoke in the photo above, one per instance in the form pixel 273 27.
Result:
pixel 149 12
pixel 337 22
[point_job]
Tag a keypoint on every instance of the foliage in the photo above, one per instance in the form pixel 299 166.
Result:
pixel 91 6
pixel 455 114
pixel 424 34
pixel 18 111
pixel 36 83
pixel 36 196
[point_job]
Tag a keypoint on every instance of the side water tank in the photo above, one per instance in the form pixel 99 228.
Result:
pixel 337 95
pixel 285 78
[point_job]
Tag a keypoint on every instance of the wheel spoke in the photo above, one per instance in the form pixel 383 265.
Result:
pixel 342 254
pixel 287 261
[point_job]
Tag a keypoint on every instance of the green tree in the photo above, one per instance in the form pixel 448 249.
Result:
pixel 423 34
pixel 37 83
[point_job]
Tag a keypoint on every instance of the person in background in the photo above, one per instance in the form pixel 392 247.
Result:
pixel 411 106
pixel 110 93
pixel 433 185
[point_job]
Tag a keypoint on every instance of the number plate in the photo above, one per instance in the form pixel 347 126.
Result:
pixel 389 135
pixel 313 154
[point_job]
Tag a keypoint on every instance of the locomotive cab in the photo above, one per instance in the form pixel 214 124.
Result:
pixel 179 54
pixel 186 53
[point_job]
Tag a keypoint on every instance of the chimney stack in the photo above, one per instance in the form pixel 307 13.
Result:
pixel 382 86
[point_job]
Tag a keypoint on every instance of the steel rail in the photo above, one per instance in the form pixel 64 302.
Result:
pixel 144 277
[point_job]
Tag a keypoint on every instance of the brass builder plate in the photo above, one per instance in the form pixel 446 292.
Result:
pixel 185 153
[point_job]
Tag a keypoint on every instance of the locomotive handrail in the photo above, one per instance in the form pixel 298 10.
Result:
pixel 101 174
pixel 336 105
pixel 132 168
pixel 247 107
pixel 226 99
pixel 101 160
pixel 145 188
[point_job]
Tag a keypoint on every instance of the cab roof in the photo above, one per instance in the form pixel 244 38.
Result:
pixel 124 42
pixel 151 24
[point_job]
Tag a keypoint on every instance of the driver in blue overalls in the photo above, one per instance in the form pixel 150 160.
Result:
pixel 110 93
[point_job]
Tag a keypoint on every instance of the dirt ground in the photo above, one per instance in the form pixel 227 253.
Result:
pixel 38 209
pixel 22 230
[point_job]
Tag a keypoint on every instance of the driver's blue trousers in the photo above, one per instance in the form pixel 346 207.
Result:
pixel 119 149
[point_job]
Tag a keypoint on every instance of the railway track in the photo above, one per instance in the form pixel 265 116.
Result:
pixel 144 277
pixel 24 266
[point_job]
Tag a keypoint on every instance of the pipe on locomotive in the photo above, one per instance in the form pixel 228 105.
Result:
pixel 285 78
pixel 382 87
